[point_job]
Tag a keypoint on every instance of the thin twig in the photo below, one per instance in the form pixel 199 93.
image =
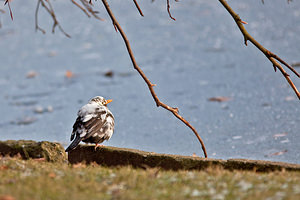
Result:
pixel 1 11
pixel 271 56
pixel 88 7
pixel 11 15
pixel 168 9
pixel 37 27
pixel 79 6
pixel 138 7
pixel 56 23
pixel 50 10
pixel 149 84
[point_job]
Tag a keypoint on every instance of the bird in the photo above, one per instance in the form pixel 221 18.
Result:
pixel 94 124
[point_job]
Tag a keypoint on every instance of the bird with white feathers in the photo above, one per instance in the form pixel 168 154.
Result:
pixel 94 124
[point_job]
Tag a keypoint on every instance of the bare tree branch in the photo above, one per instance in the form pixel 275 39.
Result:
pixel 168 9
pixel 274 59
pixel 1 11
pixel 149 84
pixel 80 7
pixel 48 7
pixel 88 7
pixel 37 27
pixel 138 7
pixel 7 2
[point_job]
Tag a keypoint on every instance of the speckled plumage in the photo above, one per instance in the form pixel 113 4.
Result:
pixel 94 124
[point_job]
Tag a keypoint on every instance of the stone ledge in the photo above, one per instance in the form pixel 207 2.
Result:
pixel 113 156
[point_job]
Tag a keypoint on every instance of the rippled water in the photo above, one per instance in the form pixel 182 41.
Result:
pixel 198 56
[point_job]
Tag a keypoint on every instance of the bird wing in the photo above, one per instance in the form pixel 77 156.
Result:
pixel 90 122
pixel 102 124
pixel 76 126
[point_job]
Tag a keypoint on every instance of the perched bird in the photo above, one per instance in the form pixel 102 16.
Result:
pixel 94 124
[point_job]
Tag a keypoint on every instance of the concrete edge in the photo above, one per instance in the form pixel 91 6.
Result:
pixel 114 156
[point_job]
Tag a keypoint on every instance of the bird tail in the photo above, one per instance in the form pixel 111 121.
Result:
pixel 73 144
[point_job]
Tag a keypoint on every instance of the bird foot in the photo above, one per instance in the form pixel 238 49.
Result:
pixel 98 145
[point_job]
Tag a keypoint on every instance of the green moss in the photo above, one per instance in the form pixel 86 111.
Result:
pixel 53 152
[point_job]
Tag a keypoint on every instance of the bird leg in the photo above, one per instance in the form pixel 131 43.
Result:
pixel 97 145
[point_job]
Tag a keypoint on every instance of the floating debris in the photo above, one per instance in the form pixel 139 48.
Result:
pixel 266 105
pixel 126 74
pixel 25 121
pixel 40 109
pixel 39 94
pixel 24 103
pixel 52 53
pixel 290 98
pixel 109 74
pixel 69 74
pixel 31 74
pixel 237 137
pixel 285 141
pixel 50 109
pixel 220 99
pixel 297 64
pixel 278 153
pixel 278 135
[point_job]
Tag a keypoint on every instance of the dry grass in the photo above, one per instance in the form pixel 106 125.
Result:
pixel 37 179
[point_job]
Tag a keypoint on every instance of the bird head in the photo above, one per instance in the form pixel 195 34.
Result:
pixel 100 100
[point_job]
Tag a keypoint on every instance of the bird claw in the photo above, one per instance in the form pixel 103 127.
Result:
pixel 98 145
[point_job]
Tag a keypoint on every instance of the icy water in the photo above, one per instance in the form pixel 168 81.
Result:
pixel 199 56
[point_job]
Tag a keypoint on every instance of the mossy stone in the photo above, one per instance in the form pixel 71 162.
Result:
pixel 51 151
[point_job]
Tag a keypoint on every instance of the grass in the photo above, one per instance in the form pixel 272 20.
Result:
pixel 36 179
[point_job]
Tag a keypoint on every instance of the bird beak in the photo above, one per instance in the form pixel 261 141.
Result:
pixel 108 101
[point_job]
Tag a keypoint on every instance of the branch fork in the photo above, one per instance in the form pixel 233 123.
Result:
pixel 271 56
pixel 148 82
